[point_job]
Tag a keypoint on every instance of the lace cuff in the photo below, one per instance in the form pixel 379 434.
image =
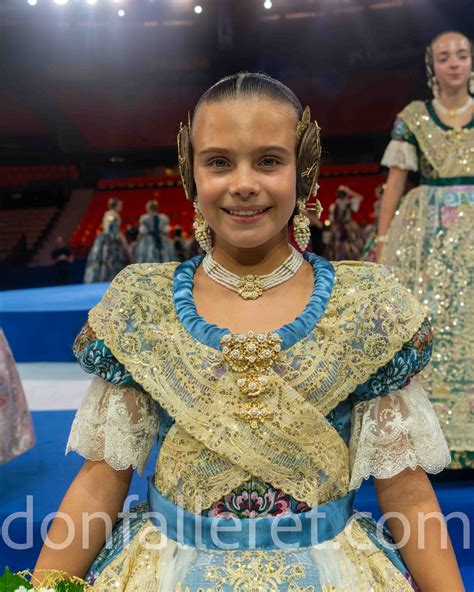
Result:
pixel 400 154
pixel 115 423
pixel 395 432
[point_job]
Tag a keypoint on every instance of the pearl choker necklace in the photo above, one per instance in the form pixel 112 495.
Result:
pixel 453 112
pixel 251 287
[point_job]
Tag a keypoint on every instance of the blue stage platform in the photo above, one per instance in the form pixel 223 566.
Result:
pixel 41 323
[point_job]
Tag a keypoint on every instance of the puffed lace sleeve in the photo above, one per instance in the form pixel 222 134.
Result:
pixel 401 151
pixel 395 432
pixel 117 421
pixel 394 425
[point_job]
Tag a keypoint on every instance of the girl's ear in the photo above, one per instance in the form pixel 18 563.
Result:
pixel 185 159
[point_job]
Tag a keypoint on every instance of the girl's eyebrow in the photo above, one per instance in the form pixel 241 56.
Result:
pixel 261 149
pixel 445 53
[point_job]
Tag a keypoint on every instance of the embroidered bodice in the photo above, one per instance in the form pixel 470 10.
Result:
pixel 211 458
pixel 422 142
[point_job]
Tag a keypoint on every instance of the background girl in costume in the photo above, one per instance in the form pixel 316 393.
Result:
pixel 16 428
pixel 346 238
pixel 428 242
pixel 273 390
pixel 109 253
pixel 154 244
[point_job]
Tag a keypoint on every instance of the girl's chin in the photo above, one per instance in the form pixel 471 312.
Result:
pixel 246 242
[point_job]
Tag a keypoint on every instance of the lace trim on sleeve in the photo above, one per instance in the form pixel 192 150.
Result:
pixel 396 432
pixel 115 423
pixel 400 154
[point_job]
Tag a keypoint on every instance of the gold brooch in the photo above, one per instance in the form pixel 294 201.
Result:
pixel 252 355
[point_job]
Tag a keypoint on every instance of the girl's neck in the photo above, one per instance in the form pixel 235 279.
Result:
pixel 453 98
pixel 259 261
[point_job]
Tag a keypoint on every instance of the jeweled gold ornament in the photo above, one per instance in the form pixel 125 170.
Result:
pixel 202 231
pixel 301 226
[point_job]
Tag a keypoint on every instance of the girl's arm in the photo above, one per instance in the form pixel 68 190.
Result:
pixel 428 552
pixel 394 189
pixel 97 488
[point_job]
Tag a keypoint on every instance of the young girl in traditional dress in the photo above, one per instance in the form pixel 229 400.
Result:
pixel 274 383
pixel 109 253
pixel 154 244
pixel 428 241
pixel 16 428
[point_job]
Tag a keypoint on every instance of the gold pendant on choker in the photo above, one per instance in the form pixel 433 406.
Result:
pixel 250 287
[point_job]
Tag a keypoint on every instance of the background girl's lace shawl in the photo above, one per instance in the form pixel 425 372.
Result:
pixel 446 150
pixel 368 318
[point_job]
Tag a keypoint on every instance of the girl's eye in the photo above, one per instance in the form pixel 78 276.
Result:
pixel 218 163
pixel 269 161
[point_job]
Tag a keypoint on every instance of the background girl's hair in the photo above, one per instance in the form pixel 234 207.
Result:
pixel 151 205
pixel 249 84
pixel 113 203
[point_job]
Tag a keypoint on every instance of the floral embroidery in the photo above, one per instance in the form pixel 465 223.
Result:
pixel 402 132
pixel 253 499
pixel 248 570
pixel 96 358
pixel 449 216
pixel 409 361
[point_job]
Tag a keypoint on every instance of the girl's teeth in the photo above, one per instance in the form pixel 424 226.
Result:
pixel 247 213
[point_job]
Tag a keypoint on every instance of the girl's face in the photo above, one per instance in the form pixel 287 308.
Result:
pixel 452 61
pixel 245 169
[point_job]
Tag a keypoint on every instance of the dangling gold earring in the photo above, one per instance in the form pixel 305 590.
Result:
pixel 471 84
pixel 202 231
pixel 435 87
pixel 301 225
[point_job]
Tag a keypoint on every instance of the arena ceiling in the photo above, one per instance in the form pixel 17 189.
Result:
pixel 80 78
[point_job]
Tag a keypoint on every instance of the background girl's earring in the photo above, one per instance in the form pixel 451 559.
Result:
pixel 301 226
pixel 202 232
pixel 435 87
pixel 471 84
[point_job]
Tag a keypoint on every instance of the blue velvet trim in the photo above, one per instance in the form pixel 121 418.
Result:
pixel 211 335
pixel 293 531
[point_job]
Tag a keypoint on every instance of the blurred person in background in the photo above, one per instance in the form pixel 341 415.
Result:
pixel 16 428
pixel 181 244
pixel 154 244
pixel 62 257
pixel 346 238
pixel 426 236
pixel 109 253
pixel 370 231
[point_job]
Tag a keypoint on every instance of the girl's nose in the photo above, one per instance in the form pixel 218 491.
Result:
pixel 244 183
